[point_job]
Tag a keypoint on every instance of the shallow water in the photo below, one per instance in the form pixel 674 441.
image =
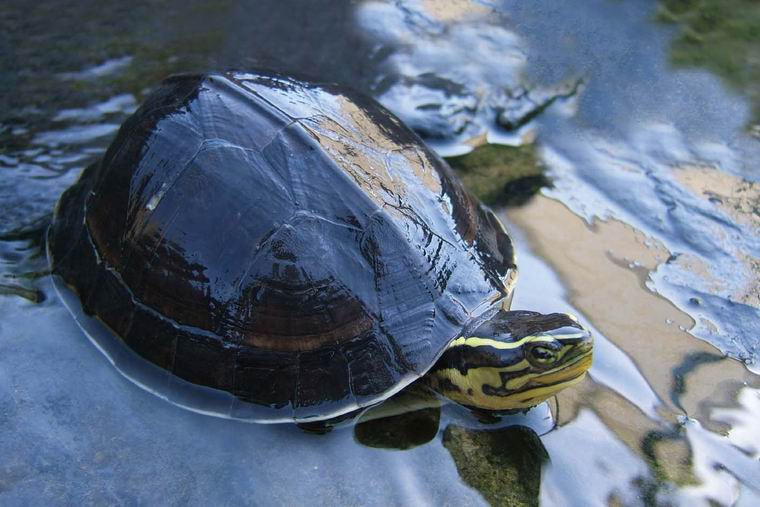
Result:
pixel 650 234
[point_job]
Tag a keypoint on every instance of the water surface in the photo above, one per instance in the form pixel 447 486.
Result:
pixel 649 234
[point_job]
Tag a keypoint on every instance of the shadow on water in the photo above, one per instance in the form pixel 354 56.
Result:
pixel 581 102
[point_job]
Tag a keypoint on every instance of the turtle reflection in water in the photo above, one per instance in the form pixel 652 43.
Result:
pixel 283 250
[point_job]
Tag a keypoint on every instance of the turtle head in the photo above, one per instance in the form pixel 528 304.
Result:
pixel 513 361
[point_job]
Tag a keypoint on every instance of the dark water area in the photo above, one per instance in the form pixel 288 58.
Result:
pixel 649 233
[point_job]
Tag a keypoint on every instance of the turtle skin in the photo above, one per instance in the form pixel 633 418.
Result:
pixel 287 241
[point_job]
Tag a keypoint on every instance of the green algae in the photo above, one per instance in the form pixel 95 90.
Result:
pixel 501 175
pixel 504 465
pixel 722 36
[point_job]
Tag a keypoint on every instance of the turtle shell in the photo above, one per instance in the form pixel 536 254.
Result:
pixel 289 242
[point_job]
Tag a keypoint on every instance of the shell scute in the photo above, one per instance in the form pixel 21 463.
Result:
pixel 289 243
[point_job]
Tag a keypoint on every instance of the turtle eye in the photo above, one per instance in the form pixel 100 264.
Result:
pixel 543 354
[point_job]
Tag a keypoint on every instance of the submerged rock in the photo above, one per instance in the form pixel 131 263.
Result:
pixel 501 175
pixel 402 432
pixel 503 464
pixel 409 419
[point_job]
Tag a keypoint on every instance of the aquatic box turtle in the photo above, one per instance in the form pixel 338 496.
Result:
pixel 282 250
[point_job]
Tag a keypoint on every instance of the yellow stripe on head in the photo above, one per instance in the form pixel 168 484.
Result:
pixel 468 389
pixel 474 341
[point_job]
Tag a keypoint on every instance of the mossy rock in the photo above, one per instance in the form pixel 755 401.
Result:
pixel 722 36
pixel 504 465
pixel 501 175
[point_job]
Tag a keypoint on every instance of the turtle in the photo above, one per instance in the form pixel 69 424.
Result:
pixel 272 248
